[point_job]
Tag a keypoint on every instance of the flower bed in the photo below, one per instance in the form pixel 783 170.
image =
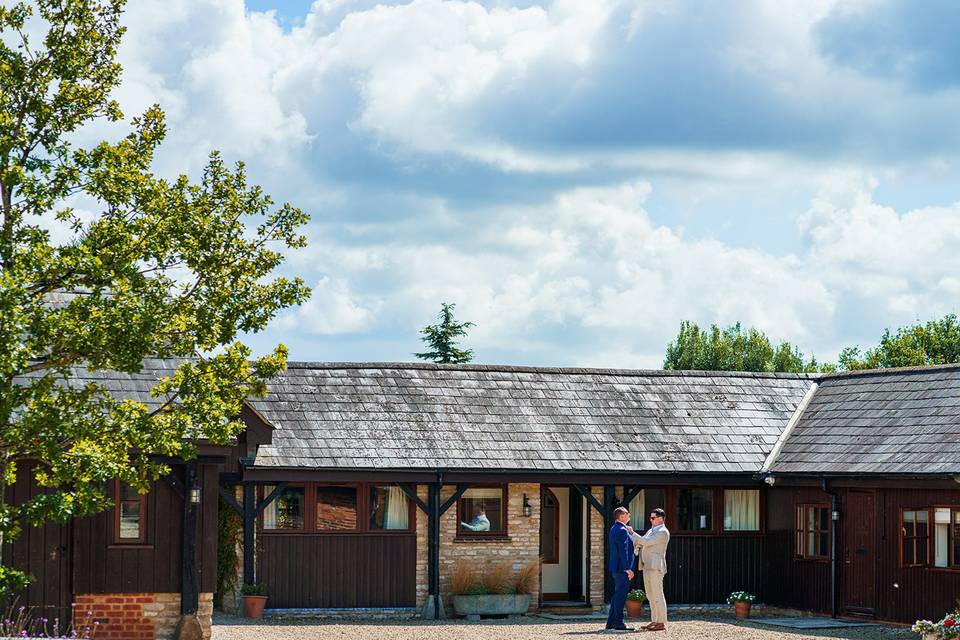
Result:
pixel 946 629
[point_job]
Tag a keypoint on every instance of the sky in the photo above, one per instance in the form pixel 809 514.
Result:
pixel 578 177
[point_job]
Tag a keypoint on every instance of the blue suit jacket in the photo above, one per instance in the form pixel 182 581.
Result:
pixel 621 549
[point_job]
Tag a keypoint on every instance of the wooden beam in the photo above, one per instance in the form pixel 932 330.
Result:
pixel 175 484
pixel 461 488
pixel 586 493
pixel 229 498
pixel 411 493
pixel 249 521
pixel 630 494
pixel 273 495
pixel 189 578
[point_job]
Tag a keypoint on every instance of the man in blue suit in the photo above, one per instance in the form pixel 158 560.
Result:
pixel 621 566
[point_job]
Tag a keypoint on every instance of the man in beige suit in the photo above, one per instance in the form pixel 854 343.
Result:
pixel 653 563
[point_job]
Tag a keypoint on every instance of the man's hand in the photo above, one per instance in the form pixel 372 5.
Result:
pixel 629 574
pixel 629 529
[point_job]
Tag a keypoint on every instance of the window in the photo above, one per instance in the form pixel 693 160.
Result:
pixel 813 531
pixel 641 506
pixel 286 512
pixel 389 509
pixel 741 510
pixel 915 533
pixel 481 511
pixel 549 527
pixel 336 508
pixel 695 510
pixel 130 509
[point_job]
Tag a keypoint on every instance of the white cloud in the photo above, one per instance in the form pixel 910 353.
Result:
pixel 333 308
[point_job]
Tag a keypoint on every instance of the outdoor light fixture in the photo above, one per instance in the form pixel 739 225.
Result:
pixel 195 495
pixel 835 515
pixel 527 509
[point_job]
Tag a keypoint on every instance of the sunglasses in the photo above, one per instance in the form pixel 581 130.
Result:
pixel 654 517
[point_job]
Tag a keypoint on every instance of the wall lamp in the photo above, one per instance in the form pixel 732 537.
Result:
pixel 527 508
pixel 194 495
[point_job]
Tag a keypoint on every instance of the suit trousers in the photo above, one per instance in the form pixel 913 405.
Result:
pixel 621 585
pixel 653 585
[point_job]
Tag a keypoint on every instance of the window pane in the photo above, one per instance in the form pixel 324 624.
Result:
pixel 812 518
pixel 955 558
pixel 389 509
pixel 909 523
pixel 129 493
pixel 741 510
pixel 812 544
pixel 336 508
pixel 130 520
pixel 481 511
pixel 695 509
pixel 286 511
pixel 908 557
pixel 641 506
pixel 824 549
pixel 824 518
pixel 922 557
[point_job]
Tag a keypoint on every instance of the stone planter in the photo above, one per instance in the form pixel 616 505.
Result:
pixel 634 609
pixel 491 605
pixel 742 609
pixel 253 606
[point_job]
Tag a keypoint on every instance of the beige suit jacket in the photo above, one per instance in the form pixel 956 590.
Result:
pixel 653 548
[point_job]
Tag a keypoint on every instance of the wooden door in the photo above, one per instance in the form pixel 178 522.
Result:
pixel 858 553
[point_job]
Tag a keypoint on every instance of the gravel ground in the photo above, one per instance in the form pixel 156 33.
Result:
pixel 709 627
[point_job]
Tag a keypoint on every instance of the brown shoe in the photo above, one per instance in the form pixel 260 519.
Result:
pixel 656 626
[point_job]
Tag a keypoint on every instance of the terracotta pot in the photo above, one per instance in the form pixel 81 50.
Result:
pixel 253 606
pixel 634 609
pixel 743 610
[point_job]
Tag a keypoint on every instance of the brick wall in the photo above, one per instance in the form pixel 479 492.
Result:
pixel 521 547
pixel 137 616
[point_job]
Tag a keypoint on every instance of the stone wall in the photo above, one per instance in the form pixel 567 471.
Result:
pixel 597 568
pixel 521 546
pixel 136 616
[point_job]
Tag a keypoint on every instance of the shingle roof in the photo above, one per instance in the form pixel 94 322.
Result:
pixel 887 421
pixel 127 386
pixel 393 416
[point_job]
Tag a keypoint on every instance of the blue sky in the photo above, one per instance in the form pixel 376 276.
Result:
pixel 579 177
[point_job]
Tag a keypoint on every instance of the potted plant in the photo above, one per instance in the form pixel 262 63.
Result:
pixel 635 600
pixel 254 600
pixel 741 600
pixel 497 591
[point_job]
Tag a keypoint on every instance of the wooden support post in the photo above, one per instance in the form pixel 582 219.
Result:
pixel 433 558
pixel 189 583
pixel 249 520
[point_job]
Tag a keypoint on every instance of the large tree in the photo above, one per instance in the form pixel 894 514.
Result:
pixel 150 268
pixel 934 342
pixel 442 338
pixel 733 349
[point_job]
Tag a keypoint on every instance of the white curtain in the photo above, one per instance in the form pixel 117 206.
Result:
pixel 638 515
pixel 396 507
pixel 270 513
pixel 741 510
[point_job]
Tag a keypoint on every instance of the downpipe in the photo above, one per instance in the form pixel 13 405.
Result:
pixel 834 519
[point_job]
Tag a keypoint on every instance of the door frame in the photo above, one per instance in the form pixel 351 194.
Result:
pixel 575 553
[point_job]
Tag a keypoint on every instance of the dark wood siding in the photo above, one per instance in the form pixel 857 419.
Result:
pixel 704 569
pixel 104 567
pixel 788 581
pixel 44 553
pixel 907 594
pixel 362 570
